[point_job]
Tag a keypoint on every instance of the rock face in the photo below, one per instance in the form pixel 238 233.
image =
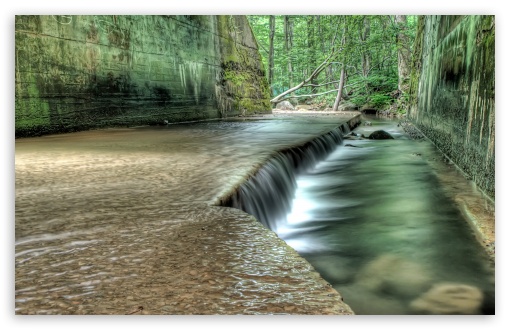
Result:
pixel 452 98
pixel 79 72
pixel 380 135
pixel 449 298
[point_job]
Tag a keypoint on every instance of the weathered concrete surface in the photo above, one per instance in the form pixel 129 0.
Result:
pixel 79 72
pixel 453 91
pixel 110 220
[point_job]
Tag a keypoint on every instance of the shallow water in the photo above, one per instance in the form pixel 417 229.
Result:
pixel 374 220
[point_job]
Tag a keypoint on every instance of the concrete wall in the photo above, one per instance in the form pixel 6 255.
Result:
pixel 80 72
pixel 453 91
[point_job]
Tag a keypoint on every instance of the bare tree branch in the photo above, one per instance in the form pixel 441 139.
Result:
pixel 318 70
pixel 324 84
pixel 310 95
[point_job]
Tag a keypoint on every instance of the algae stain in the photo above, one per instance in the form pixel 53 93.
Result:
pixel 196 73
pixel 182 75
pixel 471 38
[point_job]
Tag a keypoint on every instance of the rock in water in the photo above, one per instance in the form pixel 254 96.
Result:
pixel 394 275
pixel 285 105
pixel 380 135
pixel 449 298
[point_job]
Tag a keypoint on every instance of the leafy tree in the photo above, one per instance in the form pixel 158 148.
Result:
pixel 308 57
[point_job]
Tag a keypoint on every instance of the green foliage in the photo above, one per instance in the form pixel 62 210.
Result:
pixel 380 100
pixel 370 37
pixel 360 99
pixel 326 99
pixel 382 83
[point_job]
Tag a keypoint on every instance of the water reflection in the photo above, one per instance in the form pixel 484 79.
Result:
pixel 375 222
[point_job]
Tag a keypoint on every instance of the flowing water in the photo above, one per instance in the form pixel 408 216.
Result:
pixel 374 220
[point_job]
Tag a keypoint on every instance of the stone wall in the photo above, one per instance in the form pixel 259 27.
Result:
pixel 453 91
pixel 80 72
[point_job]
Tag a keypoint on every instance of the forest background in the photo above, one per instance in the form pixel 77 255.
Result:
pixel 338 62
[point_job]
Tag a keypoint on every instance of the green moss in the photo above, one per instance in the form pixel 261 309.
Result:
pixel 31 117
pixel 238 78
pixel 244 80
pixel 416 61
pixel 243 89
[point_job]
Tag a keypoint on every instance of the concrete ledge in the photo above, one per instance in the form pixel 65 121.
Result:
pixel 122 221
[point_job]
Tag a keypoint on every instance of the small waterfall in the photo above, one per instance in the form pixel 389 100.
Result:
pixel 268 194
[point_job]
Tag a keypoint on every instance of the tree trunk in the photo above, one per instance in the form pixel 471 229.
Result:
pixel 404 54
pixel 340 88
pixel 365 56
pixel 312 61
pixel 322 39
pixel 288 47
pixel 342 72
pixel 385 51
pixel 334 53
pixel 271 52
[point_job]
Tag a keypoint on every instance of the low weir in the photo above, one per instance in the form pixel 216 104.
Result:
pixel 268 194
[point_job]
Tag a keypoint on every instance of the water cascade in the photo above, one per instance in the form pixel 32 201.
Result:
pixel 268 194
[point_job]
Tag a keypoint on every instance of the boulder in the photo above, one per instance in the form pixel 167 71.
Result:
pixel 294 101
pixel 380 135
pixel 448 299
pixel 285 105
pixel 394 275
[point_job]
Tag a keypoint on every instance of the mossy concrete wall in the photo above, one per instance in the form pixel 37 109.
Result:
pixel 244 88
pixel 453 91
pixel 80 72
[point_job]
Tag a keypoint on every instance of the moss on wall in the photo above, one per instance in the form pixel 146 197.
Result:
pixel 80 72
pixel 244 88
pixel 452 91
